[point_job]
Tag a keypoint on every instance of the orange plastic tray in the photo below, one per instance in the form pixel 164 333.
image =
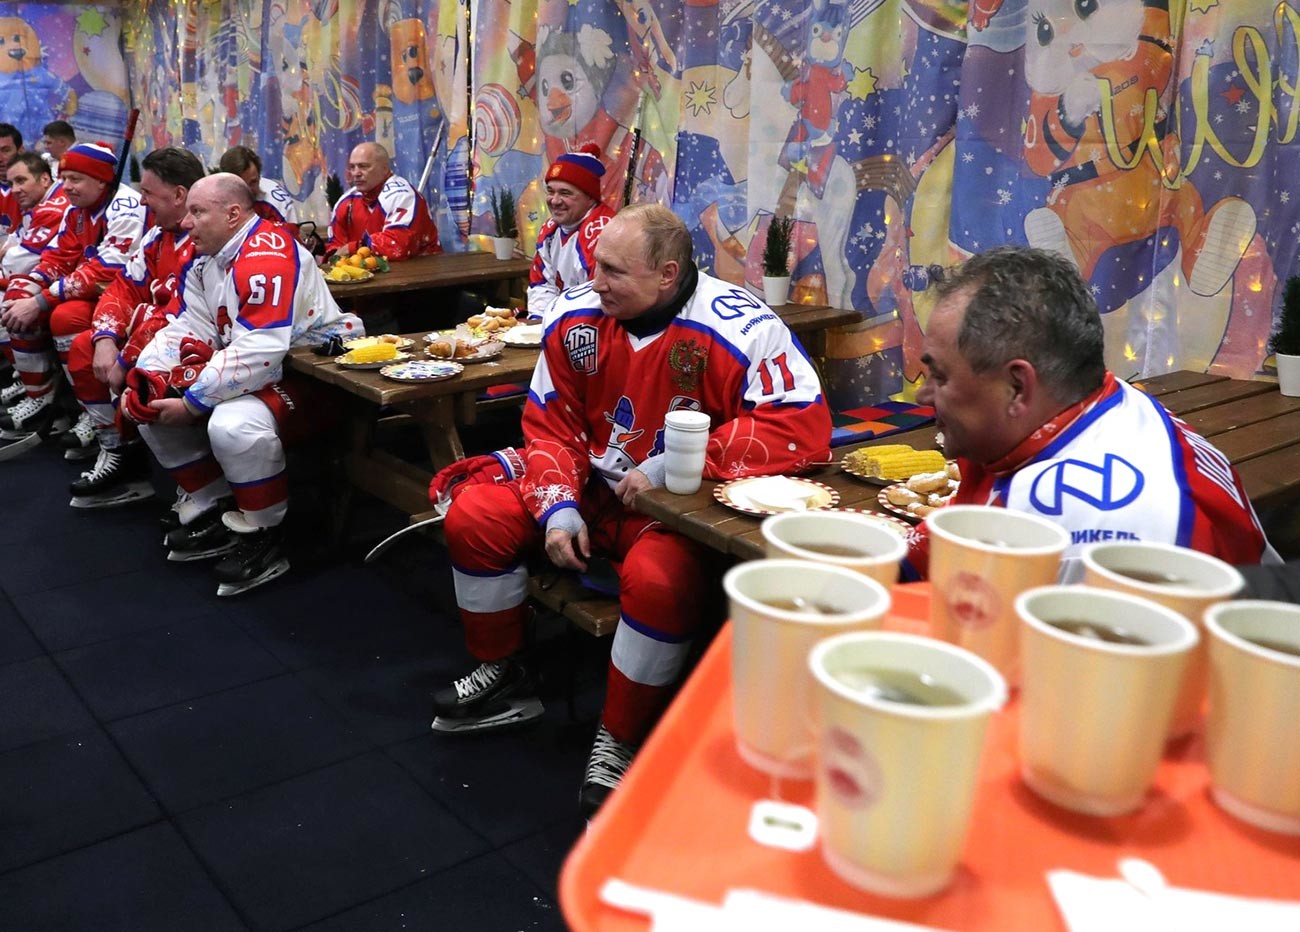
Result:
pixel 678 823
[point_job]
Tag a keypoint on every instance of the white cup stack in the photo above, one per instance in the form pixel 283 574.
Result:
pixel 686 435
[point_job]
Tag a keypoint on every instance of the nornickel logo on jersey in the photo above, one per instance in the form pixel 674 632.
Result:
pixel 266 239
pixel 580 344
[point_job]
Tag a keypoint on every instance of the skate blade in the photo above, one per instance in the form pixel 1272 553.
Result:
pixel 19 447
pixel 274 571
pixel 13 433
pixel 192 556
pixel 517 712
pixel 134 492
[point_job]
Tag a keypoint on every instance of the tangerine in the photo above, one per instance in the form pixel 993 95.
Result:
pixel 364 251
pixel 370 262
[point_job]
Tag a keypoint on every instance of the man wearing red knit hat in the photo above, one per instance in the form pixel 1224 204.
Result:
pixel 567 242
pixel 44 310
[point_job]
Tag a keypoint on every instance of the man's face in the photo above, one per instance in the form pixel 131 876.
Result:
pixel 167 201
pixel 365 171
pixel 567 204
pixel 210 227
pixel 82 190
pixel 971 407
pixel 8 149
pixel 29 188
pixel 56 145
pixel 627 286
pixel 252 177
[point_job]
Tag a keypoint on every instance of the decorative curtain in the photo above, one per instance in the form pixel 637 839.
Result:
pixel 1151 141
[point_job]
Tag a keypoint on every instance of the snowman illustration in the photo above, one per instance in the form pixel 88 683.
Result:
pixel 1072 49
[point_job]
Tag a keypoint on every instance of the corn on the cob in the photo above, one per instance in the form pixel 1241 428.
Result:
pixel 901 464
pixel 377 353
pixel 857 460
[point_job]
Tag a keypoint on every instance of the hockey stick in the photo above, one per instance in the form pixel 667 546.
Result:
pixel 636 151
pixel 391 539
pixel 132 118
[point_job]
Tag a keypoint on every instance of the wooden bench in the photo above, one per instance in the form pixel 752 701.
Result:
pixel 592 612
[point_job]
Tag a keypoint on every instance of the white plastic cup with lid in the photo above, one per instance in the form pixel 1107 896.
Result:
pixel 686 436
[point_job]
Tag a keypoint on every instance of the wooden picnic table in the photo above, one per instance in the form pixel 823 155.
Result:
pixel 440 409
pixel 1255 426
pixel 445 270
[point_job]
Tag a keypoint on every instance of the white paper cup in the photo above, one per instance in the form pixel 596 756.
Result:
pixel 773 691
pixel 686 439
pixel 829 536
pixel 975 582
pixel 896 782
pixel 1251 730
pixel 1208 581
pixel 1094 714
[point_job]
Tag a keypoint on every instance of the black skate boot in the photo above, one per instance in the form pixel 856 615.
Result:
pixel 498 694
pixel 256 559
pixel 119 477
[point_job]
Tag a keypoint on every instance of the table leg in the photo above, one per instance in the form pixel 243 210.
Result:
pixel 437 420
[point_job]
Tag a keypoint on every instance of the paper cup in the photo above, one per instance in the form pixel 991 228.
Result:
pixel 853 541
pixel 773 691
pixel 1094 714
pixel 1131 566
pixel 981 558
pixel 896 782
pixel 1254 703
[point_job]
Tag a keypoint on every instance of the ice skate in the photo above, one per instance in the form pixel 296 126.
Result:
pixel 32 416
pixel 256 559
pixel 79 442
pixel 204 537
pixel 119 477
pixel 606 766
pixel 498 694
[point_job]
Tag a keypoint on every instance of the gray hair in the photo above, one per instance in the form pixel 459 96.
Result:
pixel 1034 305
pixel 666 236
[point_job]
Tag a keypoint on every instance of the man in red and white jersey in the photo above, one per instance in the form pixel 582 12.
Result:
pixel 381 210
pixel 43 204
pixel 270 198
pixel 11 143
pixel 649 334
pixel 136 305
pixel 566 245
pixel 210 393
pixel 1017 378
pixel 45 309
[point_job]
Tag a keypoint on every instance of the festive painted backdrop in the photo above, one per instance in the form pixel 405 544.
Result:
pixel 1152 142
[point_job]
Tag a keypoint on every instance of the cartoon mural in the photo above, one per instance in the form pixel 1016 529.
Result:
pixel 1151 141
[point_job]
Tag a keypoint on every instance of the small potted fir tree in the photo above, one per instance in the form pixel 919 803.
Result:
pixel 776 261
pixel 1284 344
pixel 503 217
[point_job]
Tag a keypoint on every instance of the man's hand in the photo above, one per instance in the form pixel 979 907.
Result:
pixel 630 485
pixel 104 360
pixel 22 315
pixel 116 378
pixel 173 412
pixel 561 549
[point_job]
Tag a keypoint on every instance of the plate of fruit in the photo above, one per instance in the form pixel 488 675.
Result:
pixel 361 266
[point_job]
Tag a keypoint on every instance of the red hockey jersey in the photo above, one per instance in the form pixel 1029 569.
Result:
pixel 40 226
pixel 599 394
pixel 140 301
pixel 394 223
pixel 92 247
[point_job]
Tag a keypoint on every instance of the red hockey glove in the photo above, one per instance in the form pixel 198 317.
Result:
pixel 142 387
pixel 502 466
pixel 194 356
